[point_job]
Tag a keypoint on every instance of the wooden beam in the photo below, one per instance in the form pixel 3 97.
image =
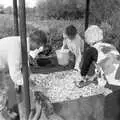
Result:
pixel 24 57
pixel 87 14
pixel 15 15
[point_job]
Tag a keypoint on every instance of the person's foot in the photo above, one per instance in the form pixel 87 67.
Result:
pixel 82 83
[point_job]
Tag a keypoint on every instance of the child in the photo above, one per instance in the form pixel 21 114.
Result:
pixel 43 51
pixel 74 43
pixel 92 36
pixel 44 48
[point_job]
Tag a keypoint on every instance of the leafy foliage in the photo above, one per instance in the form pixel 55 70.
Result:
pixel 61 9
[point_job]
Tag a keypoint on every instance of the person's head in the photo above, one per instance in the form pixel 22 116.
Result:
pixel 70 32
pixel 93 34
pixel 37 38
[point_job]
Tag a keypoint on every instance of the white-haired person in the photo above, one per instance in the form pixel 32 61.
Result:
pixel 93 35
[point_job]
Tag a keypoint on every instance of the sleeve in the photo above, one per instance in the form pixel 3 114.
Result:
pixel 78 58
pixel 15 65
pixel 81 45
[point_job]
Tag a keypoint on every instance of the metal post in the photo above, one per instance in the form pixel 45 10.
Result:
pixel 15 15
pixel 24 57
pixel 87 14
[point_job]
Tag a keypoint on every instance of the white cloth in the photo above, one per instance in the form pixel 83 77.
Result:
pixel 110 66
pixel 10 57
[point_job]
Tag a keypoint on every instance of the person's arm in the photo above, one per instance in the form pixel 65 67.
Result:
pixel 79 49
pixel 81 42
pixel 85 65
pixel 37 110
pixel 78 60
pixel 94 55
pixel 64 45
pixel 34 53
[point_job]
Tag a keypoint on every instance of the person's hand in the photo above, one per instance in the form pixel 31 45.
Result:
pixel 19 94
pixel 77 68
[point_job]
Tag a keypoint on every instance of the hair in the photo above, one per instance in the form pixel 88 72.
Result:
pixel 39 37
pixel 93 34
pixel 71 31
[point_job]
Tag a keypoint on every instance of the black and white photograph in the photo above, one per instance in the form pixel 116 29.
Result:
pixel 59 59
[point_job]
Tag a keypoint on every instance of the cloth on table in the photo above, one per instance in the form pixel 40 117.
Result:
pixel 59 86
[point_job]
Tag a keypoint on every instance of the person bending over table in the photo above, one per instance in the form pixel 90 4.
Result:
pixel 10 53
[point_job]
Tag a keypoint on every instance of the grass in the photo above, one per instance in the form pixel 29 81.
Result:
pixel 6 25
pixel 54 29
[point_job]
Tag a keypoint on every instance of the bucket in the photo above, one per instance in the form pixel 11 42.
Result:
pixel 63 57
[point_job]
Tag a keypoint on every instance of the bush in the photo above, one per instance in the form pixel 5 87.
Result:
pixel 102 10
pixel 111 35
pixel 61 9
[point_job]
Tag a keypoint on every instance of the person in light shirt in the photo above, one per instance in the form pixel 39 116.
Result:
pixel 10 53
pixel 74 43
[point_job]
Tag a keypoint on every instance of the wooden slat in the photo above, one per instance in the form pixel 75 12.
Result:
pixel 24 57
pixel 15 15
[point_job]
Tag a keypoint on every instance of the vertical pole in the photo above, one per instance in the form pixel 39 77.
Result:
pixel 24 57
pixel 87 14
pixel 15 15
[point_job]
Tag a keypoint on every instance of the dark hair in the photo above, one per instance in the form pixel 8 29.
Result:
pixel 71 31
pixel 39 37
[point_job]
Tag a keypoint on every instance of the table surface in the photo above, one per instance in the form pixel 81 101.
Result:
pixel 112 101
